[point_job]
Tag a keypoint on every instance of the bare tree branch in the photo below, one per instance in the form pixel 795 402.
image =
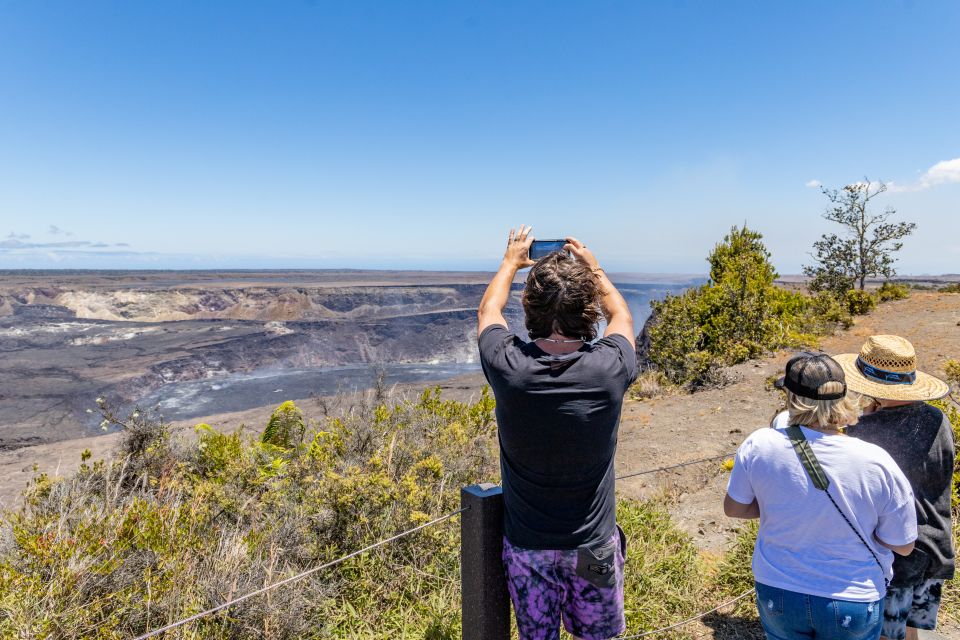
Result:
pixel 868 245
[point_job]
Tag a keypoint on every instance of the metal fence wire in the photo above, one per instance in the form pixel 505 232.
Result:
pixel 435 521
pixel 675 466
pixel 299 576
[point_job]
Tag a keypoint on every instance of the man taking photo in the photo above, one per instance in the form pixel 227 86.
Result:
pixel 559 398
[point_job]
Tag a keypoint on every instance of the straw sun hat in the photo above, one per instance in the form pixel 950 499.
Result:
pixel 886 368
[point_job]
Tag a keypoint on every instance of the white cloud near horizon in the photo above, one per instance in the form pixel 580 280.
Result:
pixel 813 184
pixel 943 172
pixel 13 243
pixel 20 244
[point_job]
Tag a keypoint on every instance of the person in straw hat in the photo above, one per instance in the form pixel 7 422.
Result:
pixel 919 438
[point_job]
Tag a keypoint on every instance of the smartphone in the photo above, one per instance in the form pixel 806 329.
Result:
pixel 542 248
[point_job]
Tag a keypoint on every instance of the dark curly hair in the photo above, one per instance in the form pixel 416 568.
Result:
pixel 561 295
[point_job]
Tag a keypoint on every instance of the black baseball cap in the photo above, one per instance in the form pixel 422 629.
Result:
pixel 806 373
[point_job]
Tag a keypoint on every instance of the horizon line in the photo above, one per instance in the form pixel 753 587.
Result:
pixel 45 270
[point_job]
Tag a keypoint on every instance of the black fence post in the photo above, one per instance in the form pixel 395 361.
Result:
pixel 485 603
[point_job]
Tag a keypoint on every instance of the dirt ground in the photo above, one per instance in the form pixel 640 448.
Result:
pixel 654 433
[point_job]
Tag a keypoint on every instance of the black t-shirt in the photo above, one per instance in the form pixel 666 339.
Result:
pixel 557 417
pixel 919 439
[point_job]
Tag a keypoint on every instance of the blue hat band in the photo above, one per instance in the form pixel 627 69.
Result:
pixel 886 377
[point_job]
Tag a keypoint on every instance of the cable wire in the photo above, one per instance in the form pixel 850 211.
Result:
pixel 676 466
pixel 332 563
pixel 269 587
pixel 688 620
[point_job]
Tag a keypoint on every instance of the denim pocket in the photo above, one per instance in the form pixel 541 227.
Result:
pixel 858 619
pixel 770 599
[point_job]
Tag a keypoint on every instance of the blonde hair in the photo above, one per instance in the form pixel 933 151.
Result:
pixel 824 413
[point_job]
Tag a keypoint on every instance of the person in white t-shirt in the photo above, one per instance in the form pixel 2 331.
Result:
pixel 821 569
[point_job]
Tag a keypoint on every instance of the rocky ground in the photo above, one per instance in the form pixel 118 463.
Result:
pixel 66 339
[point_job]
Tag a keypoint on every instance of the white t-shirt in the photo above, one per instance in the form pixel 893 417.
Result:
pixel 804 545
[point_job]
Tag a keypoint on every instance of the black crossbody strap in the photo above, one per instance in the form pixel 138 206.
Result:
pixel 807 458
pixel 820 480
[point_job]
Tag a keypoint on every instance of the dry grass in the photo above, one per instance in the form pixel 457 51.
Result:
pixel 171 527
pixel 651 384
pixel 168 528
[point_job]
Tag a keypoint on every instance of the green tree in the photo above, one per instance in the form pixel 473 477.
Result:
pixel 739 314
pixel 742 257
pixel 867 243
pixel 741 278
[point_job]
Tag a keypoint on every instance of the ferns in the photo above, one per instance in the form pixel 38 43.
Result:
pixel 285 428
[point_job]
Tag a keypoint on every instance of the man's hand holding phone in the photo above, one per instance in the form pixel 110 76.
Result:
pixel 579 251
pixel 615 308
pixel 517 254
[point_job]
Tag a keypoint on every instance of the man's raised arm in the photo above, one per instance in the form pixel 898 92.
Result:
pixel 615 308
pixel 495 298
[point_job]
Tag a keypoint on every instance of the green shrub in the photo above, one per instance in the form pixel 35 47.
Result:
pixel 952 369
pixel 892 291
pixel 827 311
pixel 101 555
pixel 167 529
pixel 859 302
pixel 678 342
pixel 738 315
pixel 950 288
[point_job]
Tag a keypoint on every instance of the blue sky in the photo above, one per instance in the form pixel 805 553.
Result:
pixel 415 134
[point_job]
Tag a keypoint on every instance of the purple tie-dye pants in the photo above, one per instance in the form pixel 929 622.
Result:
pixel 544 587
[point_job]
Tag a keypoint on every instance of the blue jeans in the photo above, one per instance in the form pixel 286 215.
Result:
pixel 788 615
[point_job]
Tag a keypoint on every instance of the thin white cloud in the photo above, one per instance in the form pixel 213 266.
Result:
pixel 944 172
pixel 18 244
pixel 813 184
pixel 54 230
